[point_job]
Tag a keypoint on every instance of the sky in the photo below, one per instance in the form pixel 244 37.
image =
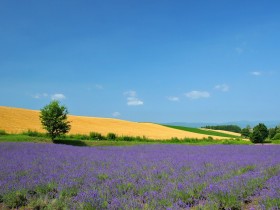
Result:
pixel 143 60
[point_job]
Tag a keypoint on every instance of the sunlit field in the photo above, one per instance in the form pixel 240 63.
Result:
pixel 139 177
pixel 16 120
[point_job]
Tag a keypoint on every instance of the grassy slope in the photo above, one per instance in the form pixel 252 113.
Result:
pixel 201 131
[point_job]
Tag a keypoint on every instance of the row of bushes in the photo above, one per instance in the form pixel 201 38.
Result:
pixel 95 136
pixel 232 128
pixel 114 137
pixel 91 136
pixel 99 137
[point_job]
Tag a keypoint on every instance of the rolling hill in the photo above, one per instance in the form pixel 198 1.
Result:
pixel 17 120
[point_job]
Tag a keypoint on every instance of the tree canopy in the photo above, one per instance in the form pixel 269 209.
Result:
pixel 54 119
pixel 260 133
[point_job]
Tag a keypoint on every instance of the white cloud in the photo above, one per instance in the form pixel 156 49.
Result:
pixel 256 73
pixel 197 94
pixel 99 87
pixel 173 98
pixel 222 87
pixel 40 95
pixel 116 114
pixel 132 99
pixel 130 93
pixel 134 102
pixel 58 96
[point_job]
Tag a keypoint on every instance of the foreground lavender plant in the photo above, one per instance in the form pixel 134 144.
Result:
pixel 139 177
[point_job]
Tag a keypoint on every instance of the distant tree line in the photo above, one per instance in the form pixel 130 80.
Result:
pixel 257 134
pixel 232 128
pixel 260 133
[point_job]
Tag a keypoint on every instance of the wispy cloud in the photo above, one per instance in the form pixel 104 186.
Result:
pixel 40 95
pixel 132 99
pixel 239 50
pixel 58 96
pixel 55 96
pixel 99 87
pixel 195 94
pixel 222 87
pixel 256 73
pixel 116 114
pixel 173 98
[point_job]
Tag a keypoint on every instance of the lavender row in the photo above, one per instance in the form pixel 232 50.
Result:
pixel 139 177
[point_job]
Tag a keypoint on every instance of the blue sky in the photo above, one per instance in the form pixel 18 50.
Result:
pixel 143 60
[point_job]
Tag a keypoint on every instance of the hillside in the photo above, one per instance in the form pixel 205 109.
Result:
pixel 16 120
pixel 207 131
pixel 222 131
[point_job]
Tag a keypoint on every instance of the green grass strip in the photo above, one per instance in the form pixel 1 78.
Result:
pixel 201 131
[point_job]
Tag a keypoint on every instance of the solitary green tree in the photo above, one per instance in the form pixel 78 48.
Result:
pixel 260 133
pixel 54 119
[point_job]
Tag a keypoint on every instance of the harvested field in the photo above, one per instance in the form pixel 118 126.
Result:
pixel 17 120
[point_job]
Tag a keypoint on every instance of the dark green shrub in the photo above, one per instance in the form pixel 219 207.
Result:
pixel 127 138
pixel 138 138
pixel 175 139
pixel 33 133
pixel 256 137
pixel 260 133
pixel 95 136
pixel 111 136
pixel 3 132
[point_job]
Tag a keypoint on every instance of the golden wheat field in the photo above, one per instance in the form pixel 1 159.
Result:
pixel 17 120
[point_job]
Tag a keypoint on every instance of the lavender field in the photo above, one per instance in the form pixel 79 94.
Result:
pixel 52 176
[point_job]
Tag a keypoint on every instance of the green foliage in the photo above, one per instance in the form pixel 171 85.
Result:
pixel 78 137
pixel 245 132
pixel 111 136
pixel 15 199
pixel 201 131
pixel 3 132
pixel 260 133
pixel 48 204
pixel 95 136
pixel 127 138
pixel 84 140
pixel 33 133
pixel 256 137
pixel 271 203
pixel 232 128
pixel 102 176
pixel 54 119
pixel 277 136
pixel 273 132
